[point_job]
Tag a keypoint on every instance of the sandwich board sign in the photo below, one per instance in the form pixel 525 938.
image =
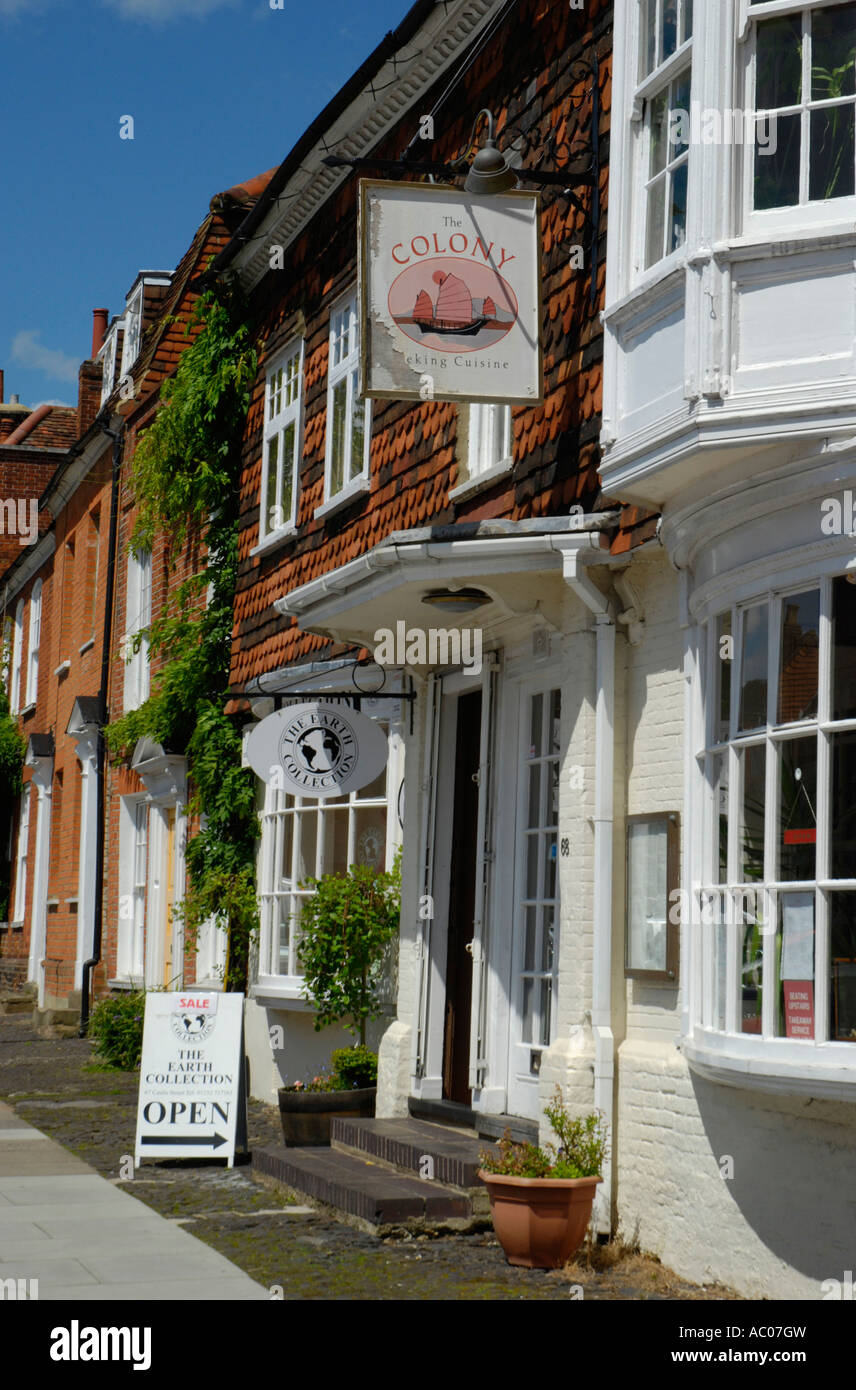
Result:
pixel 192 1099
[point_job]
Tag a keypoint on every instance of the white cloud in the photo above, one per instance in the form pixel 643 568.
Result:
pixel 67 405
pixel 54 363
pixel 161 11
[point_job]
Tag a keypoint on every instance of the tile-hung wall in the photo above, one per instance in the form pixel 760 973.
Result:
pixel 327 477
pixel 731 1099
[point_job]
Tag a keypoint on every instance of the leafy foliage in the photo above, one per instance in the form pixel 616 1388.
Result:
pixel 186 474
pixel 580 1153
pixel 116 1025
pixel 345 927
pixel 356 1067
pixel 12 749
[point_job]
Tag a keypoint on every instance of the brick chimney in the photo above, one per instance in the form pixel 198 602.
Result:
pixel 99 329
pixel 88 395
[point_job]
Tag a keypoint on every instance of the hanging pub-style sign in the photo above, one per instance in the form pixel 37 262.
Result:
pixel 317 750
pixel 450 294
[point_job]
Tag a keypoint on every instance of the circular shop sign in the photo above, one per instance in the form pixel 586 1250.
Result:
pixel 317 750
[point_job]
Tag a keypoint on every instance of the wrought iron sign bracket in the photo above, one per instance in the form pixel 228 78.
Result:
pixel 583 172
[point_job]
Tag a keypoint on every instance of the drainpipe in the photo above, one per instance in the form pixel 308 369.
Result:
pixel 100 748
pixel 573 562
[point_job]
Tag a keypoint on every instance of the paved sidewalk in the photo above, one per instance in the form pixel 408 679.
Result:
pixel 81 1238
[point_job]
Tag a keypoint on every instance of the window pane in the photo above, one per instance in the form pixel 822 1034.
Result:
pixel 532 866
pixel 375 789
pixel 358 432
pixel 648 31
pixel 795 959
pixel 833 45
pixel 754 762
pixel 337 460
pixel 307 830
pixel 678 215
pixel 670 28
pixel 778 79
pixel 831 153
pixel 546 1012
pixel 656 222
pixel 842 966
pixel 799 659
pixel 556 721
pixel 749 924
pixel 288 438
pixel 680 103
pixel 528 999
pixel 753 670
pixel 843 648
pixel 843 809
pixel 271 500
pixel 370 836
pixel 550 851
pixel 647 894
pixel 534 795
pixel 530 938
pixel 659 133
pixel 536 715
pixel 777 165
pixel 335 859
pixel 547 939
pixel 720 787
pixel 724 659
pixel 687 20
pixel 798 802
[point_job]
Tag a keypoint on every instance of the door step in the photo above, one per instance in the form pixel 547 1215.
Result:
pixel 523 1131
pixel 370 1195
pixel 433 1152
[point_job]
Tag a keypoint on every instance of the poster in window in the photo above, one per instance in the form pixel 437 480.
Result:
pixel 450 294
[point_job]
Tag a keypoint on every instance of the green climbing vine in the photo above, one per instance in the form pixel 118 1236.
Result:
pixel 12 748
pixel 185 475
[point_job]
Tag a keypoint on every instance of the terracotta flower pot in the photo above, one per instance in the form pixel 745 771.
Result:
pixel 540 1222
pixel 306 1115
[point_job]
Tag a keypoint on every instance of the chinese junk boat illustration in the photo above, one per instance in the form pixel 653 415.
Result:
pixel 454 310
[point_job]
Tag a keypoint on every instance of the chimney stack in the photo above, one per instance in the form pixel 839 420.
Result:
pixel 99 329
pixel 16 400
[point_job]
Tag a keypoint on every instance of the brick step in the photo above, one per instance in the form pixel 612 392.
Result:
pixel 370 1194
pixel 437 1152
pixel 17 1001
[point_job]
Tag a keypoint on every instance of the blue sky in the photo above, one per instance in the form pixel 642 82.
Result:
pixel 219 90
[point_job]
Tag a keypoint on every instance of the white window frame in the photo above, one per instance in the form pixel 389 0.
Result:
pixel 283 409
pixel 108 360
pixel 803 213
pixel 489 447
pixel 22 856
pixel 346 369
pixel 138 617
pixel 716 1042
pixel 17 658
pixel 133 883
pixel 33 642
pixel 645 88
pixel 276 887
pixel 133 321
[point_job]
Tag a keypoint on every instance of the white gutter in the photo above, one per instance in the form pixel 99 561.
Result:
pixel 574 562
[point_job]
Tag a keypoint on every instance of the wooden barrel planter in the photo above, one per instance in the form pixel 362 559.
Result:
pixel 306 1115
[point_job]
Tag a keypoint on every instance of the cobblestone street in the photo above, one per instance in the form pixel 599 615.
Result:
pixel 283 1244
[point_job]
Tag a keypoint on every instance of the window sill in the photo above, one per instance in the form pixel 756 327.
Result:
pixel 280 991
pixel 776 1066
pixel 215 986
pixel 125 982
pixel 276 538
pixel 28 710
pixel 470 486
pixel 87 646
pixel 63 668
pixel 356 488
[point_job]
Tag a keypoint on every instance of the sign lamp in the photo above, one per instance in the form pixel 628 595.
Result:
pixel 490 171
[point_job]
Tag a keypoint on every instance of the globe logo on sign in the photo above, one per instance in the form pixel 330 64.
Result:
pixel 196 1027
pixel 319 750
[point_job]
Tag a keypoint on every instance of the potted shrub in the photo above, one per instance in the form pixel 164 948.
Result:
pixel 541 1199
pixel 345 928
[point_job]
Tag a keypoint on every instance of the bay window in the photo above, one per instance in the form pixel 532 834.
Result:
pixel 663 98
pixel 775 915
pixel 282 443
pixel 802 84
